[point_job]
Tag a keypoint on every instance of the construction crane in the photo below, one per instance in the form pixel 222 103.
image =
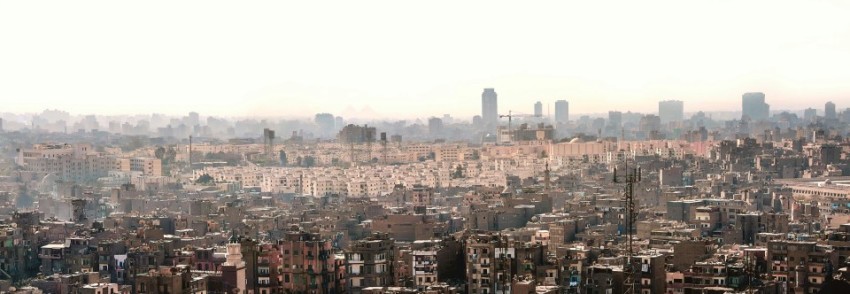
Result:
pixel 510 117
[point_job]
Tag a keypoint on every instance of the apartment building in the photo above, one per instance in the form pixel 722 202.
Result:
pixel 424 268
pixel 77 162
pixel 370 263
pixel 800 265
pixel 307 263
pixel 148 166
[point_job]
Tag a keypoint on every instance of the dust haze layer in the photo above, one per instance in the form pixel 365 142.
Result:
pixel 401 60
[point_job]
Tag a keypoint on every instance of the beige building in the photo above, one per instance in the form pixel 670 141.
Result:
pixel 78 162
pixel 148 166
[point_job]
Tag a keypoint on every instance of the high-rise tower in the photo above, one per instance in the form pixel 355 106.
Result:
pixel 490 108
pixel 562 112
pixel 829 111
pixel 538 109
pixel 754 107
pixel 671 111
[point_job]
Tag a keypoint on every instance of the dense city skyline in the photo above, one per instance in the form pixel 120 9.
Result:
pixel 548 111
pixel 392 147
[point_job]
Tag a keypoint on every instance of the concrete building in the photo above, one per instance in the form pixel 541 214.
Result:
pixel 671 176
pixel 354 134
pixel 420 195
pixel 77 162
pixel 649 125
pixel 326 124
pixel 800 266
pixel 74 255
pixel 307 263
pixel 370 263
pixel 488 264
pixel 490 108
pixel 615 119
pixel 671 111
pixel 233 275
pixel 147 165
pixel 754 107
pixel 651 273
pixel 171 280
pixel 602 278
pixel 538 109
pixel 435 127
pixel 424 268
pixel 829 111
pixel 810 115
pixel 562 112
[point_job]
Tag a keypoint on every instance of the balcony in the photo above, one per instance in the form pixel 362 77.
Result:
pixel 50 256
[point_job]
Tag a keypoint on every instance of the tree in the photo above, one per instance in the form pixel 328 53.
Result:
pixel 308 161
pixel 458 174
pixel 282 157
pixel 160 153
pixel 170 155
pixel 205 179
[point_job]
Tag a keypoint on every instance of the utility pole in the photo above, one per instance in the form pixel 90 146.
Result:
pixel 630 179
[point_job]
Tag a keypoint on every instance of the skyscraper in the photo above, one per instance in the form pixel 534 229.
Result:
pixel 435 127
pixel 615 119
pixel 490 108
pixel 193 119
pixel 829 111
pixel 671 111
pixel 325 122
pixel 754 107
pixel 562 112
pixel 538 109
pixel 810 114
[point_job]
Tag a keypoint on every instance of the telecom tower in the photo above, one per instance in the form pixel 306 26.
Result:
pixel 629 269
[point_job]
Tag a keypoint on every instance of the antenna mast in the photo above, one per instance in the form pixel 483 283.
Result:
pixel 632 177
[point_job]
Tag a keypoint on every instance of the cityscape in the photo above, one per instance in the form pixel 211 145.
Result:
pixel 504 202
pixel 659 147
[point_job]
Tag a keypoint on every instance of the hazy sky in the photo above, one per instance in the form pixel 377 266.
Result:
pixel 406 58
